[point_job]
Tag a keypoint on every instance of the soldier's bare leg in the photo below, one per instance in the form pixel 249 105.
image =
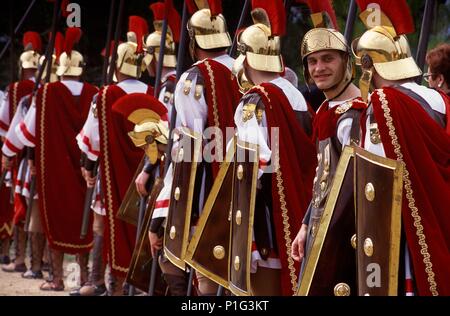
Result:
pixel 96 284
pixel 57 284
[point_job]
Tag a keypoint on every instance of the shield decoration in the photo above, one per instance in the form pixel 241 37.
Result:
pixel 178 222
pixel 242 216
pixel 208 250
pixel 378 195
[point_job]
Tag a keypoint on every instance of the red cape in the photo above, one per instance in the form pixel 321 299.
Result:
pixel 222 97
pixel 16 91
pixel 6 213
pixel 409 134
pixel 60 184
pixel 292 183
pixel 325 121
pixel 119 159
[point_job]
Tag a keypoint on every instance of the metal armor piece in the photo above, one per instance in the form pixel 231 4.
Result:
pixel 330 228
pixel 176 234
pixel 385 48
pixel 242 215
pixel 53 76
pixel 141 261
pixel 378 195
pixel 70 64
pixel 208 251
pixel 209 32
pixel 129 209
pixel 29 60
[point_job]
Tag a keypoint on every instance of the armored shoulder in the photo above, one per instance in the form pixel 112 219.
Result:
pixel 194 73
pixel 252 104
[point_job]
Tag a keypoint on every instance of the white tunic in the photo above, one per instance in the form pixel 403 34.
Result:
pixel 191 113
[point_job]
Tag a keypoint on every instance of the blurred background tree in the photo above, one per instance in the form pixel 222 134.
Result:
pixel 94 17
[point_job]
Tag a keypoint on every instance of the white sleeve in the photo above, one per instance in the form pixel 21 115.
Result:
pixel 252 132
pixel 344 130
pixel 191 112
pixel 26 129
pixel 13 144
pixel 162 201
pixel 377 149
pixel 4 114
pixel 89 137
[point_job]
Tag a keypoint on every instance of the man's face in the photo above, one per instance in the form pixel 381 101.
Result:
pixel 326 68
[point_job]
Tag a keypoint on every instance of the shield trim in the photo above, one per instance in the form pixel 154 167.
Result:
pixel 233 288
pixel 311 264
pixel 396 209
pixel 179 262
pixel 192 247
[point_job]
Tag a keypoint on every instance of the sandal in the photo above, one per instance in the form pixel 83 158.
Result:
pixel 52 286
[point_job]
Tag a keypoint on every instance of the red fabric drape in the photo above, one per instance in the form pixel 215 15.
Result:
pixel 292 185
pixel 425 148
pixel 222 97
pixel 60 185
pixel 17 91
pixel 326 119
pixel 119 160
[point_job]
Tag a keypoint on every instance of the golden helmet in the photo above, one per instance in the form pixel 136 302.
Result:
pixel 325 36
pixel 384 46
pixel 153 41
pixel 207 27
pixel 71 62
pixel 259 45
pixel 150 119
pixel 32 44
pixel 131 54
pixel 53 76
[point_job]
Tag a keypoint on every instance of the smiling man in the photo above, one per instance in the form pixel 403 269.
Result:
pixel 328 65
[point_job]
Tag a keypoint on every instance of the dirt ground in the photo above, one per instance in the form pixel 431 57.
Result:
pixel 12 284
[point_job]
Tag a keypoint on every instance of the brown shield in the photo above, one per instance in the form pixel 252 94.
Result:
pixel 330 268
pixel 208 250
pixel 129 209
pixel 378 194
pixel 141 261
pixel 176 234
pixel 242 215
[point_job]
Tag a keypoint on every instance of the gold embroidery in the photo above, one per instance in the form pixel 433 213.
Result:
pixel 108 191
pixel 410 196
pixel 7 228
pixel 42 174
pixel 248 110
pixel 286 225
pixel 260 88
pixel 341 109
pixel 213 92
pixel 14 105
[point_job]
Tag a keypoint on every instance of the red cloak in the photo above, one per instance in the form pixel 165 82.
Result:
pixel 410 135
pixel 16 91
pixel 119 159
pixel 222 97
pixel 292 182
pixel 61 187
